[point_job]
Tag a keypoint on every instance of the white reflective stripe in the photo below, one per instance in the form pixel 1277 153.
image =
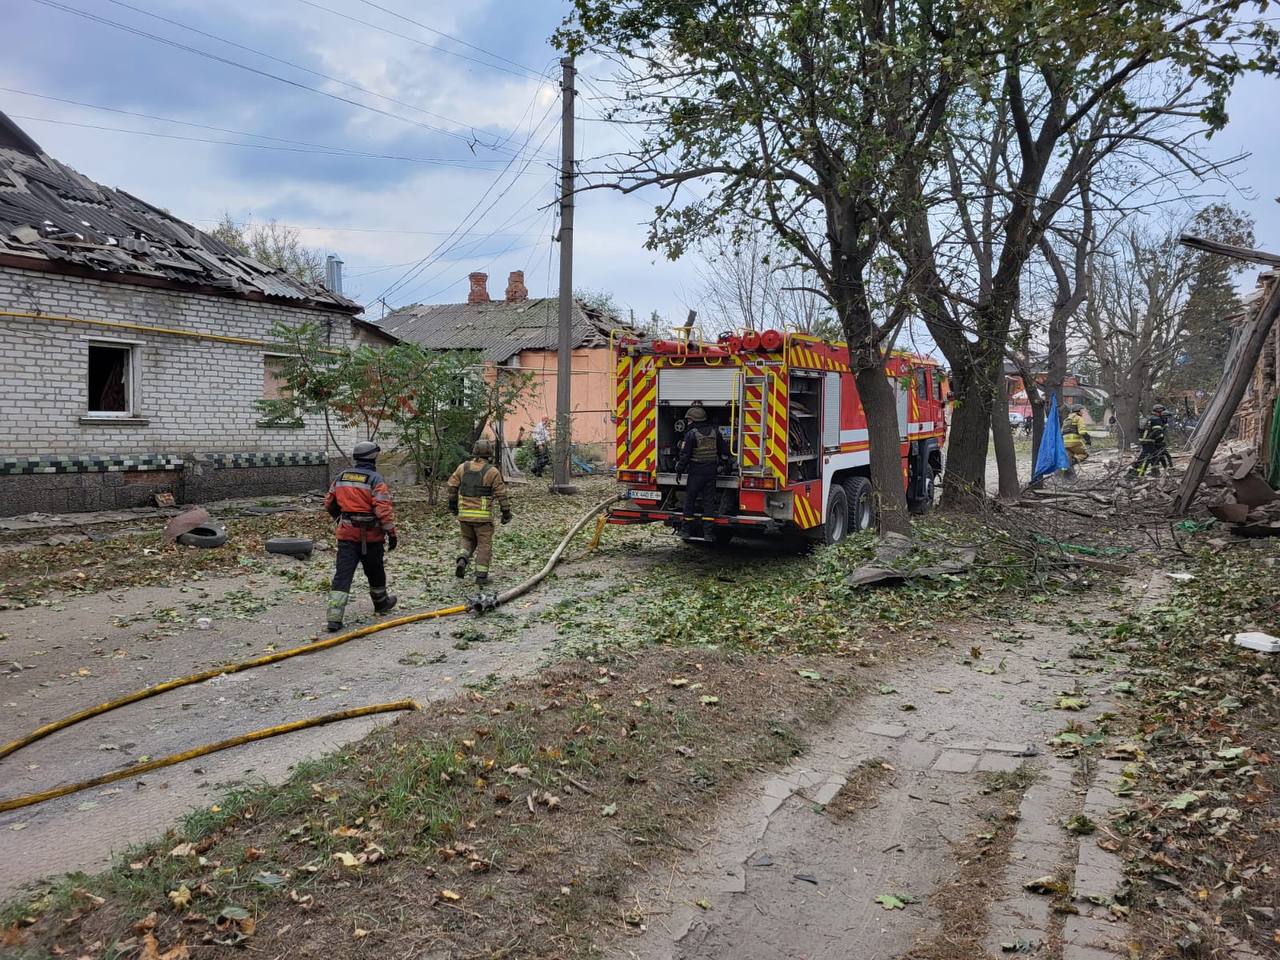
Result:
pixel 920 427
pixel 854 436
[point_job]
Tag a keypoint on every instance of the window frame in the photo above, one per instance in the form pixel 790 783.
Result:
pixel 132 378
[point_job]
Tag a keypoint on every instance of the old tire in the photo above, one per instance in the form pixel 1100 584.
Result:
pixel 206 537
pixel 862 514
pixel 837 522
pixel 299 547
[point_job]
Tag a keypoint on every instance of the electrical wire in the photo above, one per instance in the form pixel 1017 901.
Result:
pixel 54 4
pixel 526 74
pixel 441 33
pixel 233 143
pixel 289 63
pixel 443 246
pixel 319 147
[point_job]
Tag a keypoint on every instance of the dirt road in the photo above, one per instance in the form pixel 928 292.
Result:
pixel 82 650
pixel 892 802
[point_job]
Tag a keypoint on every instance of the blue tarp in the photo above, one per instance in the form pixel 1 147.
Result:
pixel 1053 453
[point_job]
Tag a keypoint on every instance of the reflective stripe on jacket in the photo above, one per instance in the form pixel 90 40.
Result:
pixel 474 486
pixel 363 500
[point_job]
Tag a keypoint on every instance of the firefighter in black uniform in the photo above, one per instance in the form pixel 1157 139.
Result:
pixel 702 451
pixel 1153 444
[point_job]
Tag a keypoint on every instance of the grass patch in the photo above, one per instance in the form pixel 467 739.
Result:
pixel 492 818
pixel 1204 718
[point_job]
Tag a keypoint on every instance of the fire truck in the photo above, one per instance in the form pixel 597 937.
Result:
pixel 789 409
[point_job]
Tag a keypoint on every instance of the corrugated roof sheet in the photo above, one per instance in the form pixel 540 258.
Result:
pixel 499 329
pixel 50 212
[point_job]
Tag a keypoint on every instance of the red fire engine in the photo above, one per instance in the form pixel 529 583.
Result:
pixel 789 409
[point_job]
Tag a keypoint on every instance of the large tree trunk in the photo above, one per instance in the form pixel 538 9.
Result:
pixel 964 485
pixel 887 484
pixel 1126 405
pixel 1002 433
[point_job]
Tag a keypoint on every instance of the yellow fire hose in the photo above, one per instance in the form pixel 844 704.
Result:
pixel 25 801
pixel 13 746
pixel 147 692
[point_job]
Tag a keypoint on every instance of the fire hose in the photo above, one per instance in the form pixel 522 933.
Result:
pixel 479 604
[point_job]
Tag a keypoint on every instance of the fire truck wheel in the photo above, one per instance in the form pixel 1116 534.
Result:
pixel 857 491
pixel 837 524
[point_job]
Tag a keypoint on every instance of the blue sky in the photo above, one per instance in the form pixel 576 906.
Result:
pixel 452 102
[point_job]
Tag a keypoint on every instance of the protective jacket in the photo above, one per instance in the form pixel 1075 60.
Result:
pixel 360 500
pixel 473 489
pixel 703 445
pixel 1073 425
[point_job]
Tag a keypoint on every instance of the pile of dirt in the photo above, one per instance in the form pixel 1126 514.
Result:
pixel 512 817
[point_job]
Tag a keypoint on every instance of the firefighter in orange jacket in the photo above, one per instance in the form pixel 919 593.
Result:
pixel 360 501
pixel 473 489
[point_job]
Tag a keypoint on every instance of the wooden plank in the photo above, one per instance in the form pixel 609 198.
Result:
pixel 1229 250
pixel 1217 418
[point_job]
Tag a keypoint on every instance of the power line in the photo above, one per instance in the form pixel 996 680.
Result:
pixel 470 141
pixel 422 43
pixel 441 33
pixel 289 63
pixel 426 261
pixel 457 251
pixel 295 226
pixel 337 152
pixel 244 133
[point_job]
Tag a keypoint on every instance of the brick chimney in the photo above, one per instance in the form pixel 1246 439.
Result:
pixel 517 292
pixel 479 289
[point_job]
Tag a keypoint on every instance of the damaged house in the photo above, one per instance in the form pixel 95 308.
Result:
pixel 519 333
pixel 136 347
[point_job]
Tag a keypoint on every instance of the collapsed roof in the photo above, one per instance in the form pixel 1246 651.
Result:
pixel 55 219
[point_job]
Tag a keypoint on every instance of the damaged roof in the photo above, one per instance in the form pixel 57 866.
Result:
pixel 54 218
pixel 499 329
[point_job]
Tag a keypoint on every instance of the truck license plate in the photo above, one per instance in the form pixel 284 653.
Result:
pixel 645 494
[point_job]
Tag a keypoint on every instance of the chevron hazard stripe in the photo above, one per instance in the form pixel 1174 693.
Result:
pixel 803 513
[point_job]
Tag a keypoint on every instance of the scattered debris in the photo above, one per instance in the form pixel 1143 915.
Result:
pixel 1254 640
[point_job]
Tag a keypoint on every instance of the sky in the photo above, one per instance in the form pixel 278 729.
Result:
pixel 417 141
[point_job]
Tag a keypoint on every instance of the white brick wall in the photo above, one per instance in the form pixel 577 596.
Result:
pixel 198 395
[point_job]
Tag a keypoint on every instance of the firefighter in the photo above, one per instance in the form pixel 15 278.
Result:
pixel 702 451
pixel 1152 445
pixel 1075 437
pixel 360 501
pixel 473 488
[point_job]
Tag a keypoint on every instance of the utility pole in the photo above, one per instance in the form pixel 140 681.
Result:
pixel 564 344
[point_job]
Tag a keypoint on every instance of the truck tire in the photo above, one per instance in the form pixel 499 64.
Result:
pixel 862 513
pixel 299 547
pixel 205 537
pixel 837 522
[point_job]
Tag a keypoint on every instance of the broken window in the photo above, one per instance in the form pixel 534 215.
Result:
pixel 110 369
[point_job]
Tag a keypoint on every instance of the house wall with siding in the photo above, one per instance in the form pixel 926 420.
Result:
pixel 196 429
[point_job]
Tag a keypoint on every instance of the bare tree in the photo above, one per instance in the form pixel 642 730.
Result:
pixel 1135 320
pixel 752 286
pixel 273 243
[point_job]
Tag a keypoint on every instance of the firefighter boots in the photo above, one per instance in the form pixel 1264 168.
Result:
pixel 382 601
pixel 482 577
pixel 460 568
pixel 337 608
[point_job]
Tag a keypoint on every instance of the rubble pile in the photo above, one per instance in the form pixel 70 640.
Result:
pixel 1235 492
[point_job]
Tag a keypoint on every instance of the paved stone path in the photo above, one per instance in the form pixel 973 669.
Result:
pixel 776 877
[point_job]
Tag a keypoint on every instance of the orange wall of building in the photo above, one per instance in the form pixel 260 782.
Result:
pixel 591 397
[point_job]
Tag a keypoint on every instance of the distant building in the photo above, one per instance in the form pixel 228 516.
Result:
pixel 135 347
pixel 517 333
pixel 1075 391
